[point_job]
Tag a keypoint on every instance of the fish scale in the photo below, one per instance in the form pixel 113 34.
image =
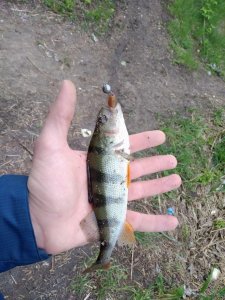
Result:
pixel 108 178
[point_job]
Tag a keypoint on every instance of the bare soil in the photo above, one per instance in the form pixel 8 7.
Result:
pixel 37 50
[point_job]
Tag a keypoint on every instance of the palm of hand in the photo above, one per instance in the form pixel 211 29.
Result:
pixel 58 196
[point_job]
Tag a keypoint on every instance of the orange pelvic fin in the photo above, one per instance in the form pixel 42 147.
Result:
pixel 95 267
pixel 127 236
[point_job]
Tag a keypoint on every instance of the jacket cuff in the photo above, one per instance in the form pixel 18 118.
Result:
pixel 17 241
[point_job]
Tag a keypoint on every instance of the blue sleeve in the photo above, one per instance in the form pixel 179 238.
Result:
pixel 17 241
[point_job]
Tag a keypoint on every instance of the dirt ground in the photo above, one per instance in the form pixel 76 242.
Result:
pixel 37 50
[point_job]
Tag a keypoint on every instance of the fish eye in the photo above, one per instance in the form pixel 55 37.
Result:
pixel 102 119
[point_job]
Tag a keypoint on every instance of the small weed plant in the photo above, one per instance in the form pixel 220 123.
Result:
pixel 65 7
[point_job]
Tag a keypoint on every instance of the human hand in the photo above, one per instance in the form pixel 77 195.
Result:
pixel 58 197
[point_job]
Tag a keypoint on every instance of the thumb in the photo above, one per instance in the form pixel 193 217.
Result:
pixel 55 130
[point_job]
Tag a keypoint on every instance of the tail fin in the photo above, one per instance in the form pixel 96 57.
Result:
pixel 97 266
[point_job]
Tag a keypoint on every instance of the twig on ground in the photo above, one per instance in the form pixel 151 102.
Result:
pixel 14 280
pixel 53 264
pixel 170 238
pixel 25 148
pixel 6 163
pixel 132 263
pixel 87 297
pixel 33 64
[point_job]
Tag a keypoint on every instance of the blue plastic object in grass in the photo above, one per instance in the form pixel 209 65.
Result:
pixel 170 211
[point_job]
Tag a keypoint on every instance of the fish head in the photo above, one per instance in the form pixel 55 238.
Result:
pixel 111 126
pixel 110 120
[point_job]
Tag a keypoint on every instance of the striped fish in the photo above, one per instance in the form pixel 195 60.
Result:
pixel 108 180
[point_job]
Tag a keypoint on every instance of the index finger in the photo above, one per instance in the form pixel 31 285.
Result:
pixel 147 139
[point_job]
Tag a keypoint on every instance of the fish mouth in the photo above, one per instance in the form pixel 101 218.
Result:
pixel 112 102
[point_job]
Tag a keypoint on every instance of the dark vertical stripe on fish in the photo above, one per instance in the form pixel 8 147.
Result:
pixel 97 150
pixel 99 176
pixel 100 200
pixel 110 222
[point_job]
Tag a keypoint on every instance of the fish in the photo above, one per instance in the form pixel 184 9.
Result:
pixel 108 169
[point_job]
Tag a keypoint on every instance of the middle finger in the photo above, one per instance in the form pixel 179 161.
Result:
pixel 150 165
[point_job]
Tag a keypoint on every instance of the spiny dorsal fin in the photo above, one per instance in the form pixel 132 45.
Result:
pixel 127 236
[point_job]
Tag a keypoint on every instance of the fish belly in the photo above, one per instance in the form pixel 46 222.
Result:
pixel 108 174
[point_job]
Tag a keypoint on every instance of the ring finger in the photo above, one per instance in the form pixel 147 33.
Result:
pixel 142 189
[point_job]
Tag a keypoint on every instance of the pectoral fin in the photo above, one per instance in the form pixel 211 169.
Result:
pixel 127 236
pixel 90 228
pixel 124 155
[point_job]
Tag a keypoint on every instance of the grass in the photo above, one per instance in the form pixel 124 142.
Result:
pixel 197 30
pixel 101 282
pixel 219 224
pixel 81 285
pixel 214 294
pixel 65 7
pixel 161 291
pixel 185 233
pixel 92 14
pixel 114 282
pixel 146 238
pixel 198 143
